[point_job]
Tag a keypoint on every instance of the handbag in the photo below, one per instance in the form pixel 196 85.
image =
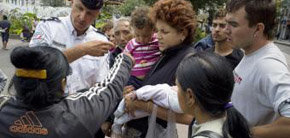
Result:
pixel 157 131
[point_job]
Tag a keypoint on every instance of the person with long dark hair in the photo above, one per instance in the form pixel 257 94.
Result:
pixel 40 109
pixel 205 84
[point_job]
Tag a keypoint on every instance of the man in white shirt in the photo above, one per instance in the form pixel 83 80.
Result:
pixel 82 44
pixel 262 80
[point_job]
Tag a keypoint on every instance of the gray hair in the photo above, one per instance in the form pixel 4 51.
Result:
pixel 121 19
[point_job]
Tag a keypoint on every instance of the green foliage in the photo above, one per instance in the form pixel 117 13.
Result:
pixel 207 4
pixel 18 20
pixel 125 10
pixel 198 4
pixel 129 5
pixel 104 17
pixel 53 3
pixel 199 34
pixel 150 2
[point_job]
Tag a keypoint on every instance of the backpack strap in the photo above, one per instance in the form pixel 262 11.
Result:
pixel 209 134
pixel 190 128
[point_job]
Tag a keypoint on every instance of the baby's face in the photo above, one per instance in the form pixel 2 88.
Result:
pixel 143 36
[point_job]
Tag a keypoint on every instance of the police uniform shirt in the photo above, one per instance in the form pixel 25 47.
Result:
pixel 60 33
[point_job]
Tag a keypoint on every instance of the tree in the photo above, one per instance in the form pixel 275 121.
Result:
pixel 208 6
pixel 53 3
pixel 129 5
pixel 199 4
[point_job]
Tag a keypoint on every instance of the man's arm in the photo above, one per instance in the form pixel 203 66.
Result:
pixel 275 82
pixel 278 129
pixel 92 48
pixel 99 102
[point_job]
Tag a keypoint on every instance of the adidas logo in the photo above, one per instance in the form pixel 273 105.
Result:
pixel 28 124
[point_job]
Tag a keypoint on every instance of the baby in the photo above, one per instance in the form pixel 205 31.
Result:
pixel 162 95
pixel 143 47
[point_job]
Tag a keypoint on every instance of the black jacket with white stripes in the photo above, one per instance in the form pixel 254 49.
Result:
pixel 76 116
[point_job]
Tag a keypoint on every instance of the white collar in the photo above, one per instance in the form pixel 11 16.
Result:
pixel 71 28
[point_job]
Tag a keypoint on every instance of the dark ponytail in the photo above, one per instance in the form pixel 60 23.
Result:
pixel 35 92
pixel 235 125
pixel 210 77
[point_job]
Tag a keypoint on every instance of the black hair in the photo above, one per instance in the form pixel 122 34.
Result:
pixel 210 77
pixel 93 4
pixel 257 11
pixel 38 93
pixel 5 17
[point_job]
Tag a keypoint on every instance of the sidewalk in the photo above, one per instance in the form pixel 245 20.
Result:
pixel 283 42
pixel 5 64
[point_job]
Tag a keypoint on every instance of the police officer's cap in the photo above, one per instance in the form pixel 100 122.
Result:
pixel 93 4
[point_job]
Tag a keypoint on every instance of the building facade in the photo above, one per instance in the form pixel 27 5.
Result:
pixel 31 2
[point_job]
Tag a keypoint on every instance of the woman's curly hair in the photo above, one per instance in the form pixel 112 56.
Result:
pixel 177 13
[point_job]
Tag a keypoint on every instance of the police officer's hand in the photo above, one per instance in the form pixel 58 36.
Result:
pixel 97 48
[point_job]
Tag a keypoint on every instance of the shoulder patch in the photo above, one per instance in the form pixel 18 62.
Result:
pixel 56 19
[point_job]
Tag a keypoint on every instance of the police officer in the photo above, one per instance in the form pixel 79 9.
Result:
pixel 84 47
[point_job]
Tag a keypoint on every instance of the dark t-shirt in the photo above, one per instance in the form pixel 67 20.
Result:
pixel 5 25
pixel 234 58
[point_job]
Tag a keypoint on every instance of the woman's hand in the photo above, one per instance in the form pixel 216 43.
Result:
pixel 106 128
pixel 130 107
pixel 133 105
pixel 128 89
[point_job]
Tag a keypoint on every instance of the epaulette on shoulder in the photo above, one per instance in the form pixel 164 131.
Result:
pixel 55 19
pixel 99 32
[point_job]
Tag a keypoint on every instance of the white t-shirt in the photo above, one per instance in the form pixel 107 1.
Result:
pixel 262 83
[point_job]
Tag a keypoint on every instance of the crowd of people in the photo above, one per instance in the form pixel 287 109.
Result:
pixel 76 81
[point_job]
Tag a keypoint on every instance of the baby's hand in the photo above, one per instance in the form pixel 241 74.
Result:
pixel 143 61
